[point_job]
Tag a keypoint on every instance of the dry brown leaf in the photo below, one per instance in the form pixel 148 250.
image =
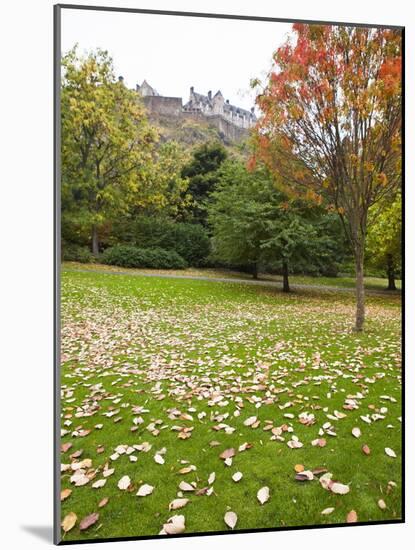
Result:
pixel 351 517
pixel 69 521
pixel 227 453
pixel 366 450
pixel 88 521
pixel 103 502
pixel 65 493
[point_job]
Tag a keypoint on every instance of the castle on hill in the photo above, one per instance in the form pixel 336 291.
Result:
pixel 232 121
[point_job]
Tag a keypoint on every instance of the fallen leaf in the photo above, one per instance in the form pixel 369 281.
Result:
pixel 88 521
pixel 184 486
pixel 299 468
pixel 390 452
pixel 178 503
pixel 145 490
pixel 327 511
pixel 305 475
pixel 69 521
pixel 65 493
pixel 228 453
pixel 382 504
pixel 356 432
pixel 231 519
pixel 250 421
pixel 263 495
pixel 237 476
pixel 103 502
pixel 351 517
pixel 366 450
pixel 211 478
pixel 339 488
pixel 124 483
pixel 98 484
pixel 174 526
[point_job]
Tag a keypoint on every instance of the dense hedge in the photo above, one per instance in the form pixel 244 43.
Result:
pixel 190 241
pixel 130 256
pixel 75 253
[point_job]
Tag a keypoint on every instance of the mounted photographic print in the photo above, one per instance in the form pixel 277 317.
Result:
pixel 228 274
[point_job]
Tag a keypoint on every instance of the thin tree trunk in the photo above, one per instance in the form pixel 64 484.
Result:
pixel 285 282
pixel 255 270
pixel 360 287
pixel 95 241
pixel 391 273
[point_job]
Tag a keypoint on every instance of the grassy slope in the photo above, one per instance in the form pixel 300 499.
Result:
pixel 374 283
pixel 141 338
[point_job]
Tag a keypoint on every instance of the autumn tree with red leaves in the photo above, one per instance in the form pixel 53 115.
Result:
pixel 330 128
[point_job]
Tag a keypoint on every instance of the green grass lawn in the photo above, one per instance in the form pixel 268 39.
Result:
pixel 371 283
pixel 152 360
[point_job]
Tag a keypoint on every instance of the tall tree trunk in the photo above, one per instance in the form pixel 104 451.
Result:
pixel 95 241
pixel 255 270
pixel 360 286
pixel 285 282
pixel 391 273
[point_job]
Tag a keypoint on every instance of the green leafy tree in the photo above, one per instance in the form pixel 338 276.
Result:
pixel 108 146
pixel 254 224
pixel 202 174
pixel 169 195
pixel 384 239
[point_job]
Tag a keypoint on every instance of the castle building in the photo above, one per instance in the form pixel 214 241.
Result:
pixel 216 105
pixel 214 108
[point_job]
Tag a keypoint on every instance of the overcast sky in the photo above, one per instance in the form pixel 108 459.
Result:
pixel 174 53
